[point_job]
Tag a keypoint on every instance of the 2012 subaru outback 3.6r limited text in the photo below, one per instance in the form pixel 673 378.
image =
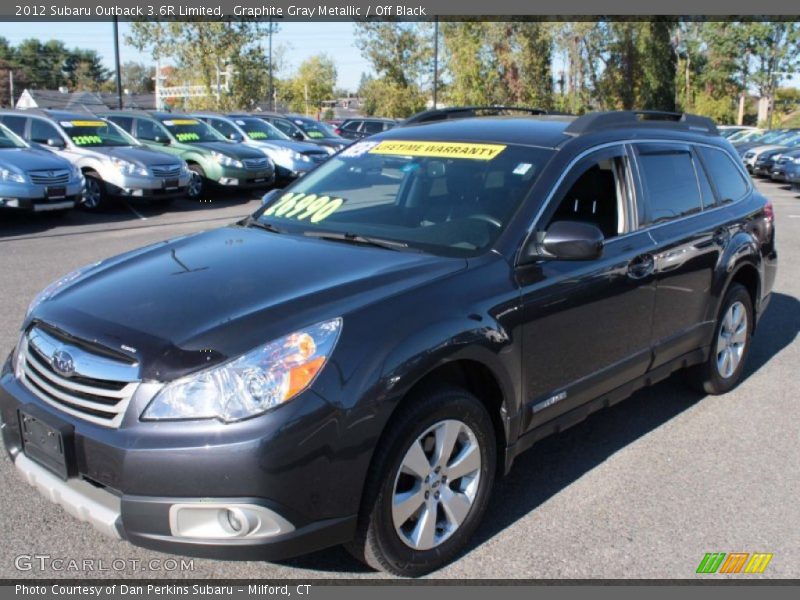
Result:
pixel 356 362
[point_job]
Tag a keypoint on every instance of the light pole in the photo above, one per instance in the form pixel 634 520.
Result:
pixel 435 60
pixel 116 62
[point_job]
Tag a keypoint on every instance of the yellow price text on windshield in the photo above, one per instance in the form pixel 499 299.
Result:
pixel 439 149
pixel 302 206
pixel 88 123
pixel 184 122
pixel 187 137
pixel 87 140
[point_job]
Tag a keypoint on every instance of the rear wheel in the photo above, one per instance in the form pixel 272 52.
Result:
pixel 429 484
pixel 196 183
pixel 94 194
pixel 723 369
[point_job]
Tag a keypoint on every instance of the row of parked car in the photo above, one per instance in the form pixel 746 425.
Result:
pixel 53 160
pixel 773 154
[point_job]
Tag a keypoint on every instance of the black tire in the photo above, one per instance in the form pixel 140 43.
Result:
pixel 95 196
pixel 707 377
pixel 377 541
pixel 197 185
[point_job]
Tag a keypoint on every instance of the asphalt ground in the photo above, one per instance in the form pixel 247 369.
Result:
pixel 642 490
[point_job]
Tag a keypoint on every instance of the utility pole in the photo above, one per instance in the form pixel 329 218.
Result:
pixel 116 62
pixel 271 89
pixel 11 86
pixel 435 61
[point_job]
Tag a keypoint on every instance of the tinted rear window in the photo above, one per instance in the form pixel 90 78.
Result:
pixel 671 183
pixel 15 124
pixel 729 181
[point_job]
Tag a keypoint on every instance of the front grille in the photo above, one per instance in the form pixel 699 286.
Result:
pixel 256 163
pixel 98 389
pixel 55 177
pixel 166 170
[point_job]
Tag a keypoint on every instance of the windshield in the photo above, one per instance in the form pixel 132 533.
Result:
pixel 95 133
pixel 446 198
pixel 9 139
pixel 257 129
pixel 191 131
pixel 315 130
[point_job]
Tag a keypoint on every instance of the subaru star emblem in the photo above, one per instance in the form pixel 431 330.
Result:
pixel 63 363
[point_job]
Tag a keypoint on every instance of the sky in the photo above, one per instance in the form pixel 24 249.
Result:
pixel 299 39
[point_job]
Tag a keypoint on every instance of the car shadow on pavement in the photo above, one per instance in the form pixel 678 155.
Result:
pixel 559 460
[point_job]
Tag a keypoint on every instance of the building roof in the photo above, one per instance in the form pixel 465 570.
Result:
pixel 91 101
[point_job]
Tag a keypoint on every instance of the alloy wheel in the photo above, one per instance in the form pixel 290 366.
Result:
pixel 731 339
pixel 436 484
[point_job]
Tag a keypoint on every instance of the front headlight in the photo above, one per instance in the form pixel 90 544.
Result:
pixel 252 384
pixel 75 173
pixel 329 150
pixel 796 160
pixel 6 175
pixel 128 168
pixel 226 161
pixel 184 168
pixel 56 286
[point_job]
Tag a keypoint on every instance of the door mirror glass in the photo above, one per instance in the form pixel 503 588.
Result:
pixel 160 139
pixel 55 142
pixel 298 135
pixel 234 137
pixel 571 240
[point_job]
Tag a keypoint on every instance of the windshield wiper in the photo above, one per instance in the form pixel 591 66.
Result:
pixel 252 222
pixel 355 238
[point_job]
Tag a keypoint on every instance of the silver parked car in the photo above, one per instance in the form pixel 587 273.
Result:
pixel 292 158
pixel 35 180
pixel 113 162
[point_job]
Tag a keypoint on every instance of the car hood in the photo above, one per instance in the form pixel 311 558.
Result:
pixel 759 150
pixel 141 155
pixel 234 149
pixel 301 147
pixel 195 301
pixel 31 159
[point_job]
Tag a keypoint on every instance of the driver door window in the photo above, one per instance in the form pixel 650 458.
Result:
pixel 598 191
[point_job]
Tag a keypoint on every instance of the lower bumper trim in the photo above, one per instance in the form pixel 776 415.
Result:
pixel 82 500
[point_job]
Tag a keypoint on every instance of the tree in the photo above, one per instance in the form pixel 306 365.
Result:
pixel 775 50
pixel 400 54
pixel 84 70
pixel 314 82
pixel 210 52
pixel 137 77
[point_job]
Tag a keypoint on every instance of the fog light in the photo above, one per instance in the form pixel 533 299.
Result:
pixel 219 521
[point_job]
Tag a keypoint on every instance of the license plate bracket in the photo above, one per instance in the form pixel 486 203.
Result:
pixel 47 441
pixel 170 184
pixel 56 193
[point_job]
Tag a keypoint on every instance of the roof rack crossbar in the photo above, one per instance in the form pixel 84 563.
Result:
pixel 644 118
pixel 457 112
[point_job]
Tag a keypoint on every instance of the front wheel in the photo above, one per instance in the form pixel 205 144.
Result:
pixel 723 369
pixel 429 484
pixel 94 194
pixel 196 183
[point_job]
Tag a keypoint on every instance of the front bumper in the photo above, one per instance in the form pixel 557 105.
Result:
pixel 130 186
pixel 763 169
pixel 133 482
pixel 243 178
pixel 38 198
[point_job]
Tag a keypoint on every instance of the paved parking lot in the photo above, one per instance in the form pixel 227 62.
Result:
pixel 642 490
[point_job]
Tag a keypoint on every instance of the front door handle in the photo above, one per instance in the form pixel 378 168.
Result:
pixel 642 266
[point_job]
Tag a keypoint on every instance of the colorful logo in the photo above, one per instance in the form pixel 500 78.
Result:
pixel 735 562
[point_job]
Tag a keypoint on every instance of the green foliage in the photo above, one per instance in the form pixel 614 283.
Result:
pixel 314 82
pixel 400 54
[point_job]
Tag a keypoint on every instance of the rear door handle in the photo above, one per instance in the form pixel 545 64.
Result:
pixel 642 266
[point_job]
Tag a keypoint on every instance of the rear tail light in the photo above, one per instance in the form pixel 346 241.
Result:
pixel 337 131
pixel 769 211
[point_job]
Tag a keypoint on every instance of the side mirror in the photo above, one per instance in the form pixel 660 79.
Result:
pixel 298 136
pixel 234 137
pixel 159 139
pixel 568 240
pixel 55 143
pixel 270 196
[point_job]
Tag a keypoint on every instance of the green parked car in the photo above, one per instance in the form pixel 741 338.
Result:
pixel 211 158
